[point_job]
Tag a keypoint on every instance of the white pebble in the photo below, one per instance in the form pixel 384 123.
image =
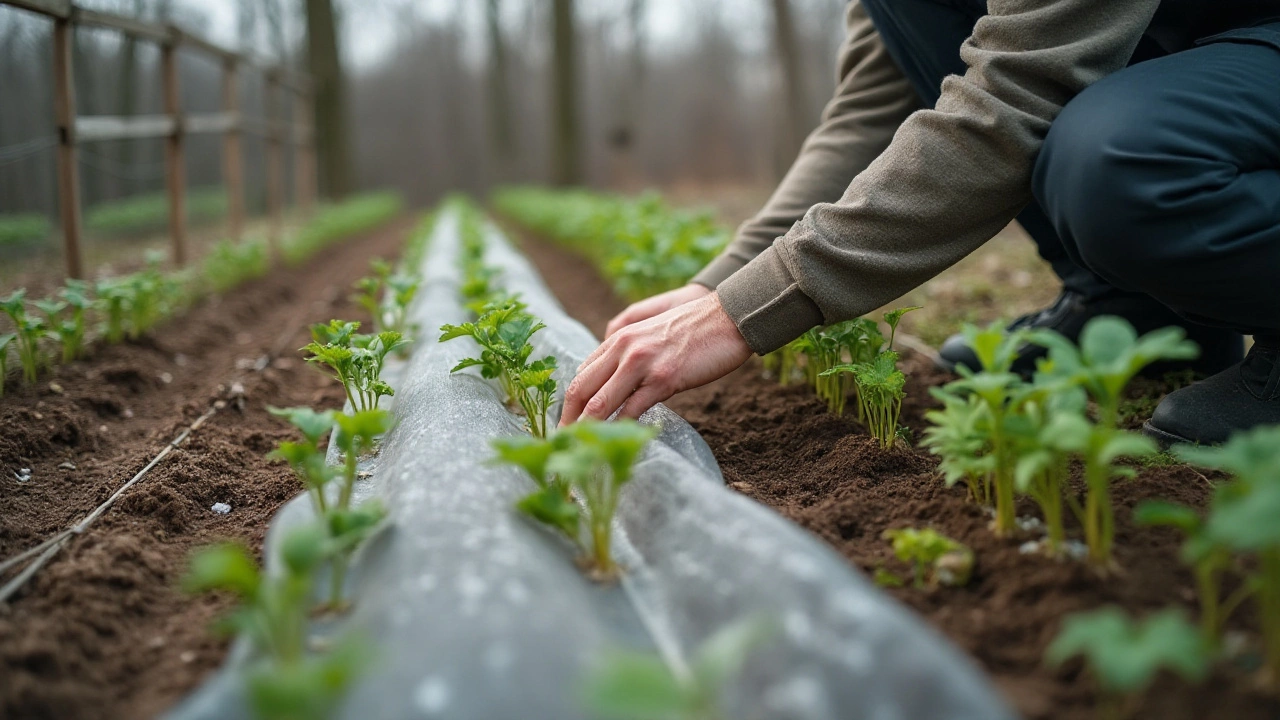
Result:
pixel 221 508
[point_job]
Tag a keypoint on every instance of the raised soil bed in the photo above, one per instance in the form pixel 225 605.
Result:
pixel 779 446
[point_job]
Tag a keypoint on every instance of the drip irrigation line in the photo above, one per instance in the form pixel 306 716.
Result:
pixel 54 544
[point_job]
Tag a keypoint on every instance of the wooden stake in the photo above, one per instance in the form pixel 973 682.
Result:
pixel 175 175
pixel 68 171
pixel 232 167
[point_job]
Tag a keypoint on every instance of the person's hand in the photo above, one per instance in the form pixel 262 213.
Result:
pixel 655 305
pixel 647 362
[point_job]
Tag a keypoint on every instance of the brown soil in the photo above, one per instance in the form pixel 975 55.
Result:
pixel 779 446
pixel 103 631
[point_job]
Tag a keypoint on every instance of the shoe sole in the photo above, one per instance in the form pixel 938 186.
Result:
pixel 1164 438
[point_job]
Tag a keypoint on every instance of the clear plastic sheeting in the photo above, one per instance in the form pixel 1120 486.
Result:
pixel 475 613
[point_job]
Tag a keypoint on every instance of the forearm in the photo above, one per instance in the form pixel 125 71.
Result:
pixel 951 178
pixel 871 100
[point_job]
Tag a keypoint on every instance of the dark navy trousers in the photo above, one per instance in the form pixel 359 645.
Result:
pixel 1162 178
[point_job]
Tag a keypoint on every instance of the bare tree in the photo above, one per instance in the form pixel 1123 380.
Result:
pixel 566 141
pixel 499 91
pixel 325 65
pixel 795 109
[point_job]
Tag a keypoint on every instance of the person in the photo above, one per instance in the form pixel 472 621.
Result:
pixel 1136 141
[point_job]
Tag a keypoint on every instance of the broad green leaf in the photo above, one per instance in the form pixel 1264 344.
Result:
pixel 527 452
pixel 313 425
pixel 223 567
pixel 548 505
pixel 1125 655
pixel 304 548
pixel 1163 513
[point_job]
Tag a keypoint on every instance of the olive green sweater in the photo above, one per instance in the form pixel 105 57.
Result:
pixel 928 186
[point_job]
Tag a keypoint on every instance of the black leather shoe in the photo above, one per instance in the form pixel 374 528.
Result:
pixel 1219 348
pixel 1245 395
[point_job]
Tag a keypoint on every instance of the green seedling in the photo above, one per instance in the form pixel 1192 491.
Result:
pixel 1109 356
pixel 73 330
pixel 1209 560
pixel 1242 518
pixel 877 382
pixel 975 412
pixel 503 333
pixel 114 298
pixel 355 435
pixel 30 330
pixel 590 459
pixel 641 686
pixel 1124 655
pixel 354 360
pixel 1040 429
pixel 230 264
pixel 286 682
pixel 6 339
pixel 781 363
pixel 306 458
pixel 935 559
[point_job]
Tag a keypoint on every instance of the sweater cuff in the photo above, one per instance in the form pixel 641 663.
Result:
pixel 766 304
pixel 717 271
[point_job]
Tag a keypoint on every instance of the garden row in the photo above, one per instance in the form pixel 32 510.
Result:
pixel 118 218
pixel 1008 437
pixel 64 327
pixel 456 597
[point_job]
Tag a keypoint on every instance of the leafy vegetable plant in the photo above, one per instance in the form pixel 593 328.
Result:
pixel 503 333
pixel 114 296
pixel 935 559
pixel 347 527
pixel 641 686
pixel 30 330
pixel 1124 655
pixel 1240 526
pixel 591 459
pixel 355 360
pixel 72 331
pixel 6 339
pixel 1109 356
pixel 287 682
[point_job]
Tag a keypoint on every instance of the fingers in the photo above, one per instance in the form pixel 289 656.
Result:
pixel 641 400
pixel 592 375
pixel 610 397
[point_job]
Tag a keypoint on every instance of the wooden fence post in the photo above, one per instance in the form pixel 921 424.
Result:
pixel 275 170
pixel 232 159
pixel 64 99
pixel 175 162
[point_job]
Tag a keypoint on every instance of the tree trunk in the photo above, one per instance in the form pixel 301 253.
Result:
pixel 499 92
pixel 566 163
pixel 325 66
pixel 794 111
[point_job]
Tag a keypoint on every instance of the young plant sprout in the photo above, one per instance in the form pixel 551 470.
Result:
pixel 1242 520
pixel 348 527
pixel 1040 429
pixel 1109 356
pixel 72 330
pixel 640 686
pixel 503 333
pixel 1124 655
pixel 113 300
pixel 974 417
pixel 287 682
pixel 30 330
pixel 355 360
pixel 6 339
pixel 593 460
pixel 781 363
pixel 935 559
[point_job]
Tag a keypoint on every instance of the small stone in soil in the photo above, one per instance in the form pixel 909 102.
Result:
pixel 221 508
pixel 166 378
pixel 67 466
pixel 55 388
pixel 187 656
pixel 1029 524
pixel 1030 547
pixel 1075 549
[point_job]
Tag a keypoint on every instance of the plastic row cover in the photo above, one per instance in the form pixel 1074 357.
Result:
pixel 476 613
